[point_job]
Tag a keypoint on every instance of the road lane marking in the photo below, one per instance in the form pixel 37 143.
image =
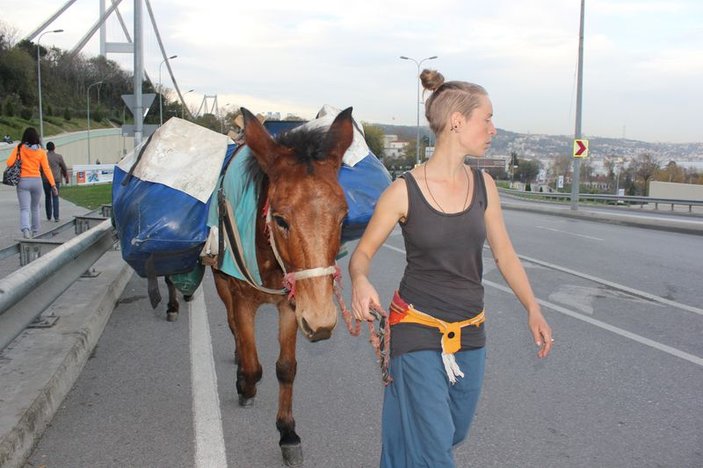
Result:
pixel 394 248
pixel 569 233
pixel 633 291
pixel 619 331
pixel 207 420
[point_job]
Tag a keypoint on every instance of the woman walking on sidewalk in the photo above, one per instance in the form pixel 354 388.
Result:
pixel 446 211
pixel 30 188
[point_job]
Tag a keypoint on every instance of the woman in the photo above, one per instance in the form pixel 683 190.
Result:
pixel 30 189
pixel 446 211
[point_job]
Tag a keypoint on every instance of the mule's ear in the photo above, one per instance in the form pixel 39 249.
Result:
pixel 259 140
pixel 340 136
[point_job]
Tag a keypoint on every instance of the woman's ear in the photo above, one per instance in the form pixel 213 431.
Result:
pixel 457 120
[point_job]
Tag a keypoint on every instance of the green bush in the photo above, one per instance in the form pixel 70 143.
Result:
pixel 9 108
pixel 26 113
pixel 97 115
pixel 67 113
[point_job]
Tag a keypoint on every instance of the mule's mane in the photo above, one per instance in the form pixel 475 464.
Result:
pixel 306 144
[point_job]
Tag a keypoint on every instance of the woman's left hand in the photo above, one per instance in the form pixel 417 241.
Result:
pixel 541 332
pixel 55 190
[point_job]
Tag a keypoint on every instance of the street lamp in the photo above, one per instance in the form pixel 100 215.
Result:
pixel 183 106
pixel 41 116
pixel 87 92
pixel 417 104
pixel 161 104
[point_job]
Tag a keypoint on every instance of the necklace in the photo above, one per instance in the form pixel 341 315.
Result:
pixel 468 189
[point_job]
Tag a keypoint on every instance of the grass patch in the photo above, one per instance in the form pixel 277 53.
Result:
pixel 53 125
pixel 87 196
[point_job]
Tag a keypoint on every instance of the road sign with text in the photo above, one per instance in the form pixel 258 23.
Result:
pixel 580 148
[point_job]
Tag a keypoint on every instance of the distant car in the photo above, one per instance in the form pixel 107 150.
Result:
pixel 7 139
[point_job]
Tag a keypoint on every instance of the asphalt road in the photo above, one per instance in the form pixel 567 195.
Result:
pixel 622 387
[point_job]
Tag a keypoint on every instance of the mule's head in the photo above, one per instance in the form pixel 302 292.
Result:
pixel 307 207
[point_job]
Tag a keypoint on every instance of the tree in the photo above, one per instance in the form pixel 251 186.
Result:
pixel 209 121
pixel 671 173
pixel 18 75
pixel 374 139
pixel 561 166
pixel 645 168
pixel 8 35
pixel 527 170
pixel 410 154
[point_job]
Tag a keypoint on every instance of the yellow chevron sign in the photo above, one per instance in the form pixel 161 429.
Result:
pixel 580 148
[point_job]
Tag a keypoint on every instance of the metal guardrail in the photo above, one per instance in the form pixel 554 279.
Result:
pixel 27 292
pixel 607 199
pixel 31 249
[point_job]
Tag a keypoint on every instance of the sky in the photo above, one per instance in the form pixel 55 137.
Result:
pixel 643 59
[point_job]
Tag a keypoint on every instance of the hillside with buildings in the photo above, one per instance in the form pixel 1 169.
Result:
pixel 547 147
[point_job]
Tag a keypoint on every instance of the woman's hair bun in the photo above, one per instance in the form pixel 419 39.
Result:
pixel 431 79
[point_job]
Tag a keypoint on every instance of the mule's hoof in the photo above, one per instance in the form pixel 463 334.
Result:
pixel 292 454
pixel 246 402
pixel 171 316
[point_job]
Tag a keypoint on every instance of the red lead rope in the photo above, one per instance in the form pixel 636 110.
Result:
pixel 380 339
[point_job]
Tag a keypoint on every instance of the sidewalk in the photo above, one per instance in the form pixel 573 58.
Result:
pixel 10 215
pixel 40 366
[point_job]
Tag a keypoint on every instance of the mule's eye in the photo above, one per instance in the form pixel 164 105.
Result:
pixel 281 222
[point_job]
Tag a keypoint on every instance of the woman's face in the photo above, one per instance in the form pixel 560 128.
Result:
pixel 478 130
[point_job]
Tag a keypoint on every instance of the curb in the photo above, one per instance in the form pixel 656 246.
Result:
pixel 40 367
pixel 684 226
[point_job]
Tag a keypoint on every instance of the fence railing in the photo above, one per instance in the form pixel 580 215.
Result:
pixel 51 267
pixel 627 200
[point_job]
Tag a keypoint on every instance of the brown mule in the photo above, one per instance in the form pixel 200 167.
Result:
pixel 299 187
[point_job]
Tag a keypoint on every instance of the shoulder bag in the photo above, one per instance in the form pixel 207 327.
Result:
pixel 11 175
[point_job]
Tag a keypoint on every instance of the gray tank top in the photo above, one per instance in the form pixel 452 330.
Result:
pixel 444 268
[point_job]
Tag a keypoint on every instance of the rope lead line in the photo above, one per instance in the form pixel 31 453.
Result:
pixel 380 340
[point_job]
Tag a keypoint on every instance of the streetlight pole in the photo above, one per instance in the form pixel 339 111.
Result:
pixel 87 92
pixel 576 177
pixel 183 107
pixel 41 115
pixel 161 104
pixel 417 103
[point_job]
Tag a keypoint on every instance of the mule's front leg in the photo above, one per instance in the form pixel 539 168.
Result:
pixel 286 367
pixel 249 369
pixel 240 318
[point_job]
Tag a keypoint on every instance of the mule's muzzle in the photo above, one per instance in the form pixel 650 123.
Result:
pixel 314 335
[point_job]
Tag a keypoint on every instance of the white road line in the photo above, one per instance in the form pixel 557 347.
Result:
pixel 394 248
pixel 634 292
pixel 207 421
pixel 569 233
pixel 619 331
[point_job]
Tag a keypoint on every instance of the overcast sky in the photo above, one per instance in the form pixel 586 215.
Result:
pixel 643 59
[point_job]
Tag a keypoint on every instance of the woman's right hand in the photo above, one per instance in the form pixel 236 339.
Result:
pixel 364 295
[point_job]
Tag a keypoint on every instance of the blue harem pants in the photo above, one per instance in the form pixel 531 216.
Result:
pixel 424 415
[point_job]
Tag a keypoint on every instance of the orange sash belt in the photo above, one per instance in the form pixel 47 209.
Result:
pixel 402 312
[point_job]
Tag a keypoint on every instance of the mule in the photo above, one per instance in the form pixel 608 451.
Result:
pixel 303 208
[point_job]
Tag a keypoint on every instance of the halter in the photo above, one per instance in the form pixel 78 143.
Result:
pixel 289 278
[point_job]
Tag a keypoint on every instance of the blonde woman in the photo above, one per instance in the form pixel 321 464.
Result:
pixel 446 211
